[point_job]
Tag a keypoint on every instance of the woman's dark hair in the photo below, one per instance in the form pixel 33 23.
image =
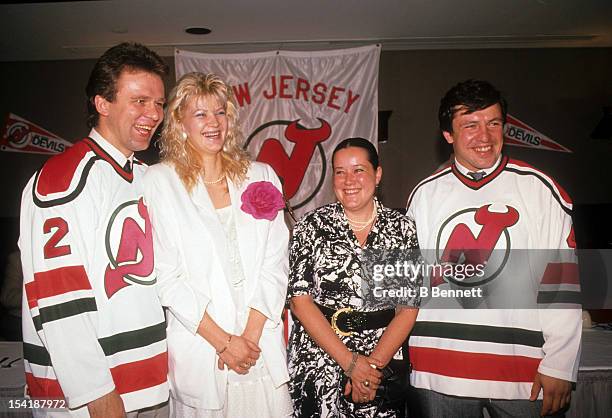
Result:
pixel 359 143
pixel 103 78
pixel 470 95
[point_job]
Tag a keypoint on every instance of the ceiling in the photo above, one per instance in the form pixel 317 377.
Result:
pixel 84 29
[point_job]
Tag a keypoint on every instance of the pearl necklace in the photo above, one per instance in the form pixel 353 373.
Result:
pixel 208 183
pixel 361 225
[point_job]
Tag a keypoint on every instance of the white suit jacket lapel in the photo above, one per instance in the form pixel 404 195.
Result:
pixel 246 229
pixel 208 216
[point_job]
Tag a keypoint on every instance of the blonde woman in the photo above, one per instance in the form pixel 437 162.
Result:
pixel 221 259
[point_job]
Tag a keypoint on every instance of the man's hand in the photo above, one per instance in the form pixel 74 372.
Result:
pixel 108 406
pixel 557 393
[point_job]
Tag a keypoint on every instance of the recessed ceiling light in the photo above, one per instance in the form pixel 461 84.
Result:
pixel 197 30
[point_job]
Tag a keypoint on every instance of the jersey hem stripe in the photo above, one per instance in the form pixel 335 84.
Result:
pixel 485 333
pixel 479 366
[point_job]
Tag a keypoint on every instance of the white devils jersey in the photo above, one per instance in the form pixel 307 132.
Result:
pixel 495 353
pixel 91 318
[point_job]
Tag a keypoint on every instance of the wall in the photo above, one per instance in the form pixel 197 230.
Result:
pixel 560 92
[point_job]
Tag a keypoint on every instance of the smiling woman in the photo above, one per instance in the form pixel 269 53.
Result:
pixel 201 137
pixel 221 259
pixel 335 333
pixel 205 126
pixel 356 176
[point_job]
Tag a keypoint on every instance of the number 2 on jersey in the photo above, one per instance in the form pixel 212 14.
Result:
pixel 52 249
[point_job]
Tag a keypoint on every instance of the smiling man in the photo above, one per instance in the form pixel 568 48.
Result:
pixel 93 328
pixel 512 362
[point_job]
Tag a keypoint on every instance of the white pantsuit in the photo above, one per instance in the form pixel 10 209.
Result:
pixel 194 276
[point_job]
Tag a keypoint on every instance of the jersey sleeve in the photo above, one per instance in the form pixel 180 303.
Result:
pixel 410 206
pixel 411 213
pixel 559 285
pixel 61 348
pixel 271 288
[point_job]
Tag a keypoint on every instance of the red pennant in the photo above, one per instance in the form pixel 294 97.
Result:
pixel 520 134
pixel 21 135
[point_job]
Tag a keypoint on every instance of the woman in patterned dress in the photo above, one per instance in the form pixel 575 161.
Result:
pixel 326 275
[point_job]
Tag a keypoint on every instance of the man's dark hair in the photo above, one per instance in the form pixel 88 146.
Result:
pixel 359 143
pixel 103 78
pixel 471 96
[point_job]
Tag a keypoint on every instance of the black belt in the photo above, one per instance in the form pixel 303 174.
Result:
pixel 345 321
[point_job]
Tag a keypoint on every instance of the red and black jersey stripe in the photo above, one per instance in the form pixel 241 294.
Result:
pixel 474 365
pixel 561 196
pixel 56 282
pixel 128 377
pixel 57 173
pixel 143 374
pixel 67 198
pixel 111 345
pixel 468 365
pixel 485 333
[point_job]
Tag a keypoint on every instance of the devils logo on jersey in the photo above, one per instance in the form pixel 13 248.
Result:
pixel 129 247
pixel 470 236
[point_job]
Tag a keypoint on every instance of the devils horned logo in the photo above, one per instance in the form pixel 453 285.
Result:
pixel 129 247
pixel 292 166
pixel 18 135
pixel 463 246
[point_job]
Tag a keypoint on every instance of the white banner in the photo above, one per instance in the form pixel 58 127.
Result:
pixel 295 107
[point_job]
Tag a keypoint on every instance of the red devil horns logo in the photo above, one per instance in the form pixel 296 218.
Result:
pixel 477 250
pixel 292 168
pixel 127 264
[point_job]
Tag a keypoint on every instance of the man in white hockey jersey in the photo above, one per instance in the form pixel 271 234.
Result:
pixel 512 362
pixel 94 331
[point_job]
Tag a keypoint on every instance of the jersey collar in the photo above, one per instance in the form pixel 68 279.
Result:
pixel 112 155
pixel 490 173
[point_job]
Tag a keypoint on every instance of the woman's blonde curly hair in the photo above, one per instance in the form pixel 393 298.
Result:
pixel 175 149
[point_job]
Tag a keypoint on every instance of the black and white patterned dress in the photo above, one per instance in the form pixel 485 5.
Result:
pixel 324 263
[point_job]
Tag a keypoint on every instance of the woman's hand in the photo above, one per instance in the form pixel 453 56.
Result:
pixel 235 351
pixel 394 336
pixel 364 380
pixel 318 328
pixel 254 326
pixel 240 355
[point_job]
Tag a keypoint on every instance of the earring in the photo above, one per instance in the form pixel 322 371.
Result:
pixel 184 135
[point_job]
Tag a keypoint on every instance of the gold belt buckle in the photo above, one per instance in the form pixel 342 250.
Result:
pixel 334 320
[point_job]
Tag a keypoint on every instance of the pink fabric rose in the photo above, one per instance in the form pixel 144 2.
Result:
pixel 262 200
